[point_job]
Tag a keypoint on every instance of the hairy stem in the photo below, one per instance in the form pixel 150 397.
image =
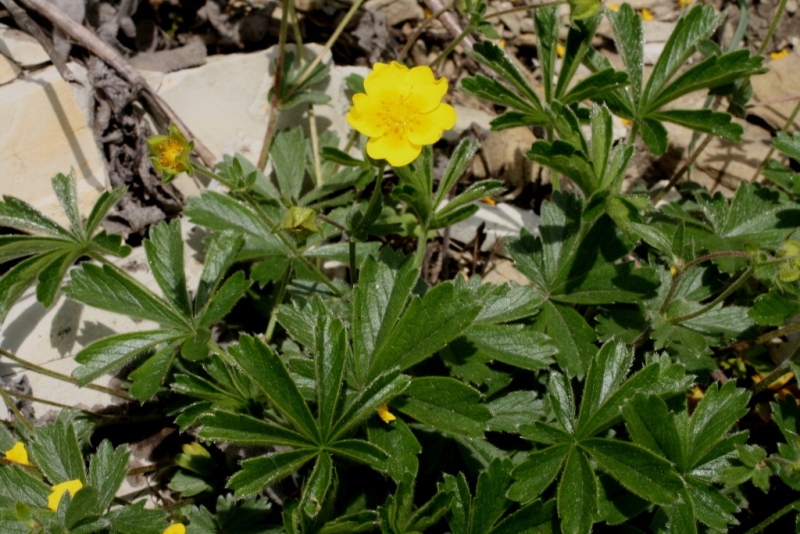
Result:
pixel 744 277
pixel 273 314
pixel 774 517
pixel 53 374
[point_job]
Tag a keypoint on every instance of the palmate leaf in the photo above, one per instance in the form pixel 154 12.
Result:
pixel 186 324
pixel 52 249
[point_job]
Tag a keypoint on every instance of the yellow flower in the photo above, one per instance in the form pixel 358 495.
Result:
pixel 613 7
pixel 401 111
pixel 170 154
pixel 175 528
pixel 646 15
pixel 779 55
pixel 560 50
pixel 72 486
pixel 18 454
pixel 385 414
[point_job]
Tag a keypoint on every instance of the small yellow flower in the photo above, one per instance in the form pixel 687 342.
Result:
pixel 18 453
pixel 673 270
pixel 170 154
pixel 175 528
pixel 684 3
pixel 502 43
pixel 560 50
pixel 400 111
pixel 71 486
pixel 385 414
pixel 646 15
pixel 613 7
pixel 779 55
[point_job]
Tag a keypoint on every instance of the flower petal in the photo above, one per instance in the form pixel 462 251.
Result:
pixel 394 147
pixel 391 78
pixel 428 127
pixel 363 116
pixel 426 91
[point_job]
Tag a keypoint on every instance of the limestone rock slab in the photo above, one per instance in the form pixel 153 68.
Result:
pixel 45 132
pixel 21 47
pixel 8 70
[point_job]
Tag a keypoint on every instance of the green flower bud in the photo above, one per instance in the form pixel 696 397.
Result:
pixel 170 154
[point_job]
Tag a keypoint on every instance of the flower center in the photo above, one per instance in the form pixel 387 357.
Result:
pixel 397 116
pixel 168 151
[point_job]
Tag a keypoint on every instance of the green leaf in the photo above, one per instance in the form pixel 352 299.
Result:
pixel 379 299
pixel 112 352
pixel 654 134
pixel 773 309
pixel 134 519
pixel 607 372
pixel 242 429
pixel 164 252
pixel 269 373
pixel 703 120
pixel 714 415
pixel 106 201
pixel 51 276
pixel 316 486
pixel 84 506
pixel 515 345
pixel 512 410
pixel 494 91
pixel 400 440
pixel 595 86
pixel 20 215
pixel 617 505
pixel 570 334
pixel 535 518
pixel 537 472
pixel 712 507
pixel 567 160
pixel 56 452
pixel 20 277
pixel 472 193
pixel 377 393
pixel 490 501
pixel 220 212
pixel 18 485
pixel 629 36
pixel 188 485
pixel 636 468
pixel 427 326
pixel 788 145
pixel 223 301
pixel 110 289
pixel 577 494
pixel 562 400
pixel 288 157
pixel 13 247
pixel 651 426
pixel 505 303
pixel 654 237
pixel 495 58
pixel 107 470
pixel 220 255
pixel 545 21
pixel 257 473
pixel 692 28
pixel 445 404
pixel 462 156
pixel 149 377
pixel 361 451
pixel 331 351
pixel 67 194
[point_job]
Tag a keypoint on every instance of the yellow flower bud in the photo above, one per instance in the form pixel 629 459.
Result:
pixel 18 453
pixel 385 414
pixel 71 486
pixel 175 528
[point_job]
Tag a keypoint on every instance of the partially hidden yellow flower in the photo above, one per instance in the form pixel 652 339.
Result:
pixel 170 153
pixel 385 414
pixel 401 111
pixel 646 15
pixel 779 55
pixel 175 528
pixel 71 486
pixel 18 453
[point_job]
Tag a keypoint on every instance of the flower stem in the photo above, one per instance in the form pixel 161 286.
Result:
pixel 771 151
pixel 774 517
pixel 276 87
pixel 425 23
pixel 524 8
pixel 273 314
pixel 422 242
pixel 53 374
pixel 15 410
pixel 772 27
pixel 721 298
pixel 452 46
pixel 353 271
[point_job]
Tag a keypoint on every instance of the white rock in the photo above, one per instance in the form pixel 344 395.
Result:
pixel 652 51
pixel 502 271
pixel 502 220
pixel 396 11
pixel 22 48
pixel 224 102
pixel 465 118
pixel 8 70
pixel 45 132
